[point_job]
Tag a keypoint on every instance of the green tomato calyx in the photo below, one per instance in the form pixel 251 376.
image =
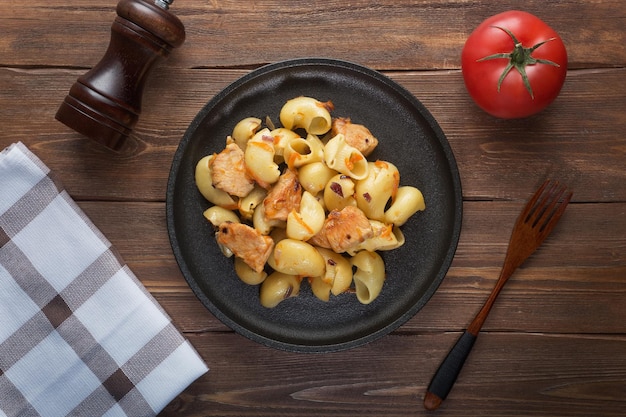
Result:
pixel 519 58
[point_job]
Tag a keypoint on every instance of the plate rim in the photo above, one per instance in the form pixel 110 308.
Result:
pixel 445 263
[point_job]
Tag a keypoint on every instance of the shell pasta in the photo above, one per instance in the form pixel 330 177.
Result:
pixel 306 194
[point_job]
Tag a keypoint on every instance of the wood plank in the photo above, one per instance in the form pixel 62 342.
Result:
pixel 573 140
pixel 400 35
pixel 564 287
pixel 555 342
pixel 503 371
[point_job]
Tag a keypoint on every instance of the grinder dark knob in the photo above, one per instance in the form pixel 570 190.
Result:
pixel 104 104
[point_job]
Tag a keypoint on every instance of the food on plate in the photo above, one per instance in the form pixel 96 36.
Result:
pixel 356 135
pixel 259 158
pixel 278 287
pixel 229 172
pixel 514 64
pixel 204 182
pixel 302 201
pixel 344 229
pixel 369 275
pixel 245 242
pixel 307 113
pixel 345 159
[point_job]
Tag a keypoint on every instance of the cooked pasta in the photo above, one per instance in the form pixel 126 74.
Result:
pixel 259 158
pixel 345 159
pixel 282 136
pixel 320 288
pixel 308 221
pixel 249 203
pixel 277 287
pixel 244 130
pixel 339 193
pixel 315 176
pixel 262 223
pixel 338 271
pixel 247 274
pixel 369 276
pixel 218 215
pixel 318 208
pixel 407 202
pixel 299 152
pixel 295 257
pixel 377 189
pixel 306 113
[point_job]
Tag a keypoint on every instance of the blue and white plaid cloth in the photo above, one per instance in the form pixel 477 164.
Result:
pixel 79 334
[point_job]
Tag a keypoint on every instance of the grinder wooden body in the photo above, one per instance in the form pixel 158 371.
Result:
pixel 104 104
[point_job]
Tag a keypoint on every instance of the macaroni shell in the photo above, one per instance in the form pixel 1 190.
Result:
pixel 244 130
pixel 384 238
pixel 314 176
pixel 249 203
pixel 374 192
pixel 295 257
pixel 309 220
pixel 408 201
pixel 217 215
pixel 259 158
pixel 262 223
pixel 345 159
pixel 369 275
pixel 247 274
pixel 306 113
pixel 282 137
pixel 300 152
pixel 338 271
pixel 339 193
pixel 320 288
pixel 277 287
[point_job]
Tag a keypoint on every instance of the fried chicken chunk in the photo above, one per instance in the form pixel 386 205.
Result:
pixel 229 171
pixel 246 243
pixel 343 230
pixel 284 196
pixel 357 136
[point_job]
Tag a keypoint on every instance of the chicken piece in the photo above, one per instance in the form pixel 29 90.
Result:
pixel 357 136
pixel 344 229
pixel 283 197
pixel 246 243
pixel 320 239
pixel 229 171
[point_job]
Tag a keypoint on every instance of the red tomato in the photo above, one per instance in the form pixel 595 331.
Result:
pixel 497 54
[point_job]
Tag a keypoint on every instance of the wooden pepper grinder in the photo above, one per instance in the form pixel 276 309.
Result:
pixel 104 104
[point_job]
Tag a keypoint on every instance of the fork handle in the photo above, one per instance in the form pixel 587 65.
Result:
pixel 448 371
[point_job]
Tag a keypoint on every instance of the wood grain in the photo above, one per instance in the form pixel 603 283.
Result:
pixel 386 35
pixel 555 342
pixel 497 159
pixel 532 370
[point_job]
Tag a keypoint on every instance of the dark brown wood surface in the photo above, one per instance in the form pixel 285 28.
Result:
pixel 555 342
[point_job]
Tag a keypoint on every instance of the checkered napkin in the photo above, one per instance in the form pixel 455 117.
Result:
pixel 79 334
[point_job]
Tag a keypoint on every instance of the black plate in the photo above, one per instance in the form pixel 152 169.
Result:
pixel 409 137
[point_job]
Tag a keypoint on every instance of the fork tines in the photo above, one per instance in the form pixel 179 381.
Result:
pixel 547 205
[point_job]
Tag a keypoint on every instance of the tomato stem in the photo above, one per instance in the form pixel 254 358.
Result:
pixel 519 58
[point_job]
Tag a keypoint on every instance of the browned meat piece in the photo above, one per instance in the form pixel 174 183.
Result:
pixel 283 197
pixel 229 172
pixel 320 239
pixel 345 229
pixel 246 243
pixel 357 136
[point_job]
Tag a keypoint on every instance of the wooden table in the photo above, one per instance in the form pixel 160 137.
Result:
pixel 555 343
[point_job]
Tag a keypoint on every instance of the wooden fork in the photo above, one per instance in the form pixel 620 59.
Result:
pixel 534 224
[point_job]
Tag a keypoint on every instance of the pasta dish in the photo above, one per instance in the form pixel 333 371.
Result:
pixel 302 203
